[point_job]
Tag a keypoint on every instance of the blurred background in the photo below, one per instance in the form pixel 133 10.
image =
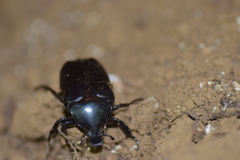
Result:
pixel 158 49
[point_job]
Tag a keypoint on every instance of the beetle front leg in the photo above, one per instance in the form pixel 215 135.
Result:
pixel 46 88
pixel 66 123
pixel 126 104
pixel 124 127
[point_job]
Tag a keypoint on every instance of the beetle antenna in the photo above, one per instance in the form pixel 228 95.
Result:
pixel 112 138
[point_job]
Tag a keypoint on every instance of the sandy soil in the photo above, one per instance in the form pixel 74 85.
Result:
pixel 182 57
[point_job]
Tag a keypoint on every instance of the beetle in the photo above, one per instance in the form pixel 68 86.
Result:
pixel 88 99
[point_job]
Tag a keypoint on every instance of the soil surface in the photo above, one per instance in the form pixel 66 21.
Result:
pixel 182 57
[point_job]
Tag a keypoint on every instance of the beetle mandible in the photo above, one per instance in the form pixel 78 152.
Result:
pixel 87 97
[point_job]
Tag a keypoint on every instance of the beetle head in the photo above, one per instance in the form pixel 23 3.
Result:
pixel 95 137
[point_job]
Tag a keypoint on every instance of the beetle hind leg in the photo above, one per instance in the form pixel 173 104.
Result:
pixel 125 129
pixel 46 88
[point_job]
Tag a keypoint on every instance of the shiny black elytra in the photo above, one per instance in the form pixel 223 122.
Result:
pixel 88 99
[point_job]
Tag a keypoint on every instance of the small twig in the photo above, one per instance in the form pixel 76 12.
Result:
pixel 73 143
pixel 224 114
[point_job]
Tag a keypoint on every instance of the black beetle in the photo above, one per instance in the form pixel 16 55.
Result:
pixel 88 99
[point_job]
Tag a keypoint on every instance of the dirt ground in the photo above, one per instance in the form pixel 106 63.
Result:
pixel 182 57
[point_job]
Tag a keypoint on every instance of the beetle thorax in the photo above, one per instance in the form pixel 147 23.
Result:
pixel 91 114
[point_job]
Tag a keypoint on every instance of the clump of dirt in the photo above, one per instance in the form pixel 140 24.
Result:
pixel 181 57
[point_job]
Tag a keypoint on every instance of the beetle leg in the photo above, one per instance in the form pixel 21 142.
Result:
pixel 124 127
pixel 66 122
pixel 126 104
pixel 46 88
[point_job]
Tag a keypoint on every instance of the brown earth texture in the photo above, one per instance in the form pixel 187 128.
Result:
pixel 182 57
